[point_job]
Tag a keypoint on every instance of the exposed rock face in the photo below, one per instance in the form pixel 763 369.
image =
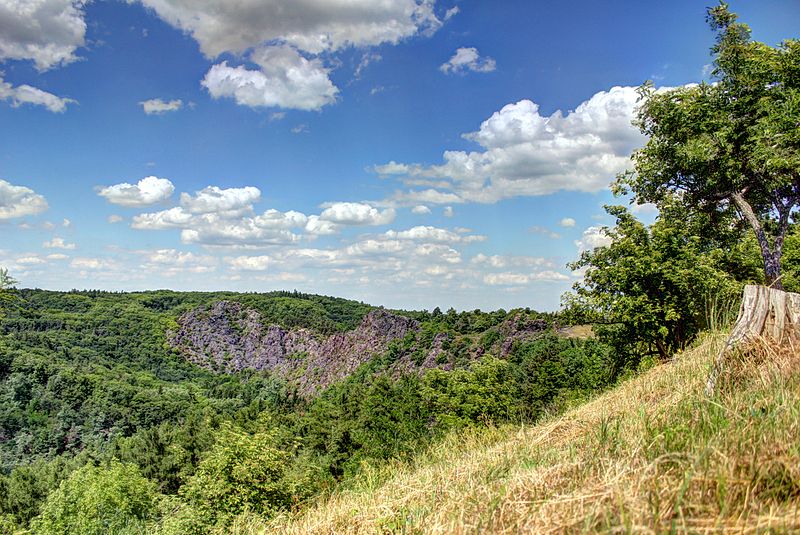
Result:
pixel 520 328
pixel 229 337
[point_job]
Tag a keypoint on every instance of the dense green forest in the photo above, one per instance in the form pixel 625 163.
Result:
pixel 91 392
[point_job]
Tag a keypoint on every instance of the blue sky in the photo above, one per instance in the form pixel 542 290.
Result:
pixel 411 153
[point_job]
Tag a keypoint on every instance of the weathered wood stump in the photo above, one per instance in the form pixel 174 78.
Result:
pixel 765 314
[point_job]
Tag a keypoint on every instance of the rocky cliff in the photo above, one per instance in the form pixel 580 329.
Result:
pixel 229 337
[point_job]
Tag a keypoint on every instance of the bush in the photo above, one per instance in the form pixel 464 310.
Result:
pixel 96 500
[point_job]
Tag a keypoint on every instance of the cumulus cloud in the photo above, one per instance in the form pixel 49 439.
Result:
pixel 468 59
pixel 47 32
pixel 524 153
pixel 156 106
pixel 320 227
pixel 114 218
pixel 433 234
pixel 592 238
pixel 308 25
pixel 225 229
pixel 171 262
pixel 25 94
pixel 58 243
pixel 448 211
pixel 285 79
pixel 19 201
pixel 354 213
pixel 213 199
pixel 149 190
pixel 249 263
pixel 172 218
pixel 215 231
pixel 421 209
pixel 567 222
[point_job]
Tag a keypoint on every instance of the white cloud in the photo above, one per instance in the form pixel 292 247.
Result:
pixel 421 209
pixel 172 218
pixel 433 234
pixel 366 59
pixel 592 238
pixel 520 279
pixel 171 262
pixel 156 106
pixel 66 223
pixel 353 213
pixel 213 199
pixel 503 261
pixel 30 260
pixel 527 154
pixel 504 279
pixel 84 263
pixel 285 80
pixel 250 263
pixel 271 227
pixel 448 211
pixel 320 227
pixel 452 12
pixel 644 209
pixel 392 168
pixel 58 243
pixel 114 218
pixel 300 129
pixel 567 222
pixel 149 190
pixel 544 232
pixel 19 201
pixel 468 59
pixel 25 94
pixel 45 31
pixel 312 26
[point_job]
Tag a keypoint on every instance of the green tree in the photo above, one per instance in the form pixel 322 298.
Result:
pixel 7 282
pixel 95 500
pixel 650 286
pixel 242 472
pixel 730 146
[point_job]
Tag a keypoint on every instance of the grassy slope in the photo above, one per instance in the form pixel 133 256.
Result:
pixel 653 455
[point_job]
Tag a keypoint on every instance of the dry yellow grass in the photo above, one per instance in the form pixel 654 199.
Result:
pixel 651 456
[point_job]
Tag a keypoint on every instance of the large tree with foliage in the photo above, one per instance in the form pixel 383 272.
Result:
pixel 732 145
pixel 651 290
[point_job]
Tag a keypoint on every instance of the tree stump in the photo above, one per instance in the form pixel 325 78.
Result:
pixel 765 314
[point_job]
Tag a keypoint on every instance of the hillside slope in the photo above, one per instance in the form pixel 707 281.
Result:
pixel 652 455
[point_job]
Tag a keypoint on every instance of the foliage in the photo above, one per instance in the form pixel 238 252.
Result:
pixel 95 500
pixel 242 472
pixel 730 145
pixel 88 381
pixel 7 283
pixel 648 289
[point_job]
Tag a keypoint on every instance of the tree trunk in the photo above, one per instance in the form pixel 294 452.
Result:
pixel 770 255
pixel 766 313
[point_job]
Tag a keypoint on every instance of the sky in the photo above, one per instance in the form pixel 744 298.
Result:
pixel 406 153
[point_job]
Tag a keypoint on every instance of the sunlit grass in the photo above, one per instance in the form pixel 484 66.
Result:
pixel 653 455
